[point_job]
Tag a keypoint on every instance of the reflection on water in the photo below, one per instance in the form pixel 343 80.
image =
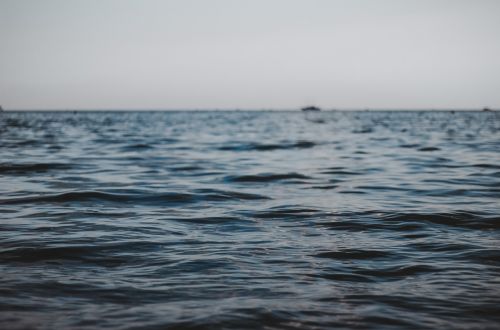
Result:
pixel 130 220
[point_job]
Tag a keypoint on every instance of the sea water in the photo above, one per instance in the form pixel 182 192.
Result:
pixel 249 220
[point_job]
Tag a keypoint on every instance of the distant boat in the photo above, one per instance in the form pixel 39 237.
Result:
pixel 1 109
pixel 311 108
pixel 487 109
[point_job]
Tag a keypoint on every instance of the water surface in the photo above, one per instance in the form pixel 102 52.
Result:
pixel 249 220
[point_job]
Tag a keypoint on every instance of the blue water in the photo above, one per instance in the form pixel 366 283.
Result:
pixel 249 220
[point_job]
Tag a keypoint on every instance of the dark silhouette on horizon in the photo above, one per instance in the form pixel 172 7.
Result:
pixel 311 108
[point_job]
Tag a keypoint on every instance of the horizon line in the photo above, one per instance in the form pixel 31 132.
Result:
pixel 364 109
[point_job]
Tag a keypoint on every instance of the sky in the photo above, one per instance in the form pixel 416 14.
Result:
pixel 249 54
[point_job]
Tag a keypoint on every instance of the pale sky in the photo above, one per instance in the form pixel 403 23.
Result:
pixel 249 54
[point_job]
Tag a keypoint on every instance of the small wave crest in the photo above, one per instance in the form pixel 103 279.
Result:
pixel 141 198
pixel 252 146
pixel 353 254
pixel 89 254
pixel 266 177
pixel 20 169
pixel 456 219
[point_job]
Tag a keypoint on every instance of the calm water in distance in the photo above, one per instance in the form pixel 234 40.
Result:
pixel 250 220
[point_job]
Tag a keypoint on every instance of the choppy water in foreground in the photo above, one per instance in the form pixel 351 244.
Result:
pixel 236 220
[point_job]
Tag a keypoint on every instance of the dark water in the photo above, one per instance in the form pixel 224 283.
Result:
pixel 258 220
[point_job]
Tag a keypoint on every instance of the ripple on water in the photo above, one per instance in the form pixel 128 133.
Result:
pixel 266 177
pixel 138 198
pixel 252 146
pixel 28 169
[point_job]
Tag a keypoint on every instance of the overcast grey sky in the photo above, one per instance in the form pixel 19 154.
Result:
pixel 188 54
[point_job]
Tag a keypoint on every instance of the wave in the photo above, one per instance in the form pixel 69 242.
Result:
pixel 341 172
pixel 428 149
pixel 251 146
pixel 187 168
pixel 354 254
pixel 32 168
pixel 484 165
pixel 344 276
pixel 398 271
pixel 89 254
pixel 287 213
pixel 409 222
pixel 456 219
pixel 268 177
pixel 484 256
pixel 211 220
pixel 223 195
pixel 137 147
pixel 141 198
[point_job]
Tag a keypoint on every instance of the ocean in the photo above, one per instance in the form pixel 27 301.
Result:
pixel 250 220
